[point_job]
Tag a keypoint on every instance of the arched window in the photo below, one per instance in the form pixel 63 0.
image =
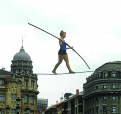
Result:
pixel 113 86
pixel 105 75
pixel 114 98
pixel 113 75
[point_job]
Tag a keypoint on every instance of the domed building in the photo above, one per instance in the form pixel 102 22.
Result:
pixel 102 90
pixel 21 63
pixel 19 89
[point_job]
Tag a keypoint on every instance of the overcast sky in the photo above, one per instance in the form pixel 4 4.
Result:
pixel 93 28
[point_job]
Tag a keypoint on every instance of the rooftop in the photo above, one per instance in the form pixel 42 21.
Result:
pixel 56 104
pixel 21 55
pixel 4 72
pixel 110 66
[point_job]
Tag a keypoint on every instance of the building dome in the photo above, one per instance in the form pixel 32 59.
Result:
pixel 21 63
pixel 22 55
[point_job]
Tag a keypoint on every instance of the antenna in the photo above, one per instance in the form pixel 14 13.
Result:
pixel 22 41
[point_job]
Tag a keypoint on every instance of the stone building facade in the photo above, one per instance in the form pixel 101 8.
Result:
pixel 102 91
pixel 72 105
pixel 4 76
pixel 21 83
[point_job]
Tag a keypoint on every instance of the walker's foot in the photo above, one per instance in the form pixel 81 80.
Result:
pixel 71 72
pixel 54 72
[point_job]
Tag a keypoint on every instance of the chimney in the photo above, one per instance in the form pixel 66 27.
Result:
pixel 77 91
pixel 61 99
pixel 56 102
pixel 3 68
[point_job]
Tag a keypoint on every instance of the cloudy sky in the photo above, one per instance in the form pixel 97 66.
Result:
pixel 93 28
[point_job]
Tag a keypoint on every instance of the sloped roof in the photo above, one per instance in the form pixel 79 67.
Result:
pixel 56 104
pixel 110 66
pixel 72 97
pixel 43 110
pixel 4 72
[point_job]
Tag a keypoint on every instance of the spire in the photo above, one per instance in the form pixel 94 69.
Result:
pixel 22 43
pixel 22 49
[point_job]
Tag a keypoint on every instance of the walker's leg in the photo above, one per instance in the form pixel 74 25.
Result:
pixel 61 57
pixel 67 63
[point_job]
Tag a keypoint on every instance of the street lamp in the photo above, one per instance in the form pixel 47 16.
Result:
pixel 18 107
pixel 3 110
pixel 27 109
pixel 7 109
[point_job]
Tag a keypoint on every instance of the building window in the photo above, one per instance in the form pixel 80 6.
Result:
pixel 114 98
pixel 98 76
pixel 97 99
pixel 104 98
pixel 25 98
pixel 97 110
pixel 75 101
pixel 105 75
pixel 85 92
pixel 32 84
pixel 93 110
pixel 92 100
pixel 93 88
pixel 2 97
pixel 11 97
pixel 2 82
pixel 96 87
pixel 24 111
pixel 13 111
pixel 113 75
pixel 26 83
pixel 104 109
pixel 104 86
pixel 114 86
pixel 1 112
pixel 31 99
pixel 15 97
pixel 114 109
pixel 31 112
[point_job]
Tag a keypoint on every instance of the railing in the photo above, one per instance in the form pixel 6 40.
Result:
pixel 103 89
